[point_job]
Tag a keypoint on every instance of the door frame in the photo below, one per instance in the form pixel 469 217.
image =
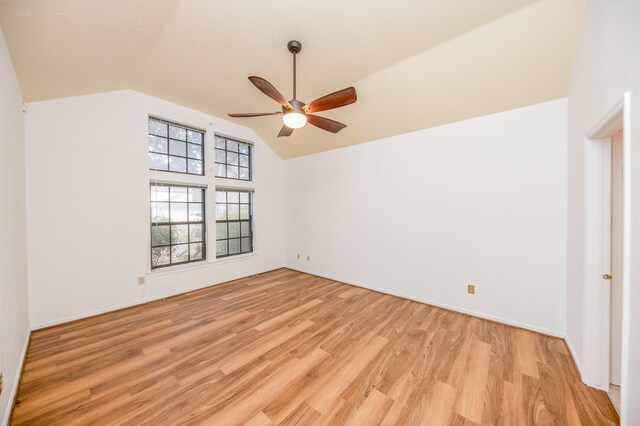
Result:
pixel 597 247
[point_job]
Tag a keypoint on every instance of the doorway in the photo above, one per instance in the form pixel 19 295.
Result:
pixel 606 250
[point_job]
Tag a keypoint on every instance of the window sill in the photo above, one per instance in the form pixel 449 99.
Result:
pixel 199 265
pixel 236 258
pixel 178 268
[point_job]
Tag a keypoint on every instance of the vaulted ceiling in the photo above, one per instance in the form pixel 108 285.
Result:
pixel 414 63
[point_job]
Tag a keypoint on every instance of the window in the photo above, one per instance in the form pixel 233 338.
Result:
pixel 233 159
pixel 177 225
pixel 175 148
pixel 234 234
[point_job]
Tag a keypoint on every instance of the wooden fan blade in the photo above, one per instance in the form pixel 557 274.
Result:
pixel 285 131
pixel 334 100
pixel 325 123
pixel 268 89
pixel 255 114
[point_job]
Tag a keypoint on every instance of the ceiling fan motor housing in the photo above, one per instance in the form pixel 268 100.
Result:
pixel 296 106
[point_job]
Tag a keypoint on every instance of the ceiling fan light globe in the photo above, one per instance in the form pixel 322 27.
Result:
pixel 294 120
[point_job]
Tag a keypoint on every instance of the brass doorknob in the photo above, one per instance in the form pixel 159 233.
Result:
pixel 607 277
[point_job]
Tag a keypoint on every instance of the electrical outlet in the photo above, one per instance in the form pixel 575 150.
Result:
pixel 141 280
pixel 308 257
pixel 471 289
pixel 298 256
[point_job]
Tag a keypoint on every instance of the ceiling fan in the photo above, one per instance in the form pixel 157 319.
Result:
pixel 295 113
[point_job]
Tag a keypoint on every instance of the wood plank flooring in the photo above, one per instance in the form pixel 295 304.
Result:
pixel 291 348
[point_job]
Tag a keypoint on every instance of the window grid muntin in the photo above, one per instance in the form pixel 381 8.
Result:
pixel 168 139
pixel 239 221
pixel 226 150
pixel 171 224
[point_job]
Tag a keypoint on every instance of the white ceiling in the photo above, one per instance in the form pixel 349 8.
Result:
pixel 414 63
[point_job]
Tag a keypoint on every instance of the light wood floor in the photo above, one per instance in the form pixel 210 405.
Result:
pixel 290 348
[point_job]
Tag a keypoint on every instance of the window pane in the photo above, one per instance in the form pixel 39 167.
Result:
pixel 177 164
pixel 168 143
pixel 160 256
pixel 233 197
pixel 195 212
pixel 221 248
pixel 195 233
pixel 195 137
pixel 221 212
pixel 233 211
pixel 159 193
pixel 232 172
pixel 244 211
pixel 195 251
pixel 245 245
pixel 245 229
pixel 232 158
pixel 234 229
pixel 195 194
pixel 177 133
pixel 160 235
pixel 220 156
pixel 157 128
pixel 232 146
pixel 159 212
pixel 157 144
pixel 243 148
pixel 221 170
pixel 178 193
pixel 234 246
pixel 221 231
pixel 195 151
pixel 177 148
pixel 184 241
pixel 180 253
pixel 244 173
pixel 178 212
pixel 244 160
pixel 158 161
pixel 194 167
pixel 179 234
pixel 220 143
pixel 235 232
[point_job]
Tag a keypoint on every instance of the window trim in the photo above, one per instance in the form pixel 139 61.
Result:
pixel 203 222
pixel 235 139
pixel 252 251
pixel 169 139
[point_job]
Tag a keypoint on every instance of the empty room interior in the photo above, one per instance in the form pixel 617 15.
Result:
pixel 299 212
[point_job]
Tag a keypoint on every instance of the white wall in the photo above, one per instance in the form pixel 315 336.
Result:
pixel 14 312
pixel 88 205
pixel 423 214
pixel 607 65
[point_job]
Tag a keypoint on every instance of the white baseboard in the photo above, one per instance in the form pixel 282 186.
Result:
pixel 16 382
pixel 147 299
pixel 35 327
pixel 576 360
pixel 483 315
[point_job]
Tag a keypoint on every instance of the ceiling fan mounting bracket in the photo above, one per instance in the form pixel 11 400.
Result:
pixel 294 46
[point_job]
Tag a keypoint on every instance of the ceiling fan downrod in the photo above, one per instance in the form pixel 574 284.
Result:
pixel 294 47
